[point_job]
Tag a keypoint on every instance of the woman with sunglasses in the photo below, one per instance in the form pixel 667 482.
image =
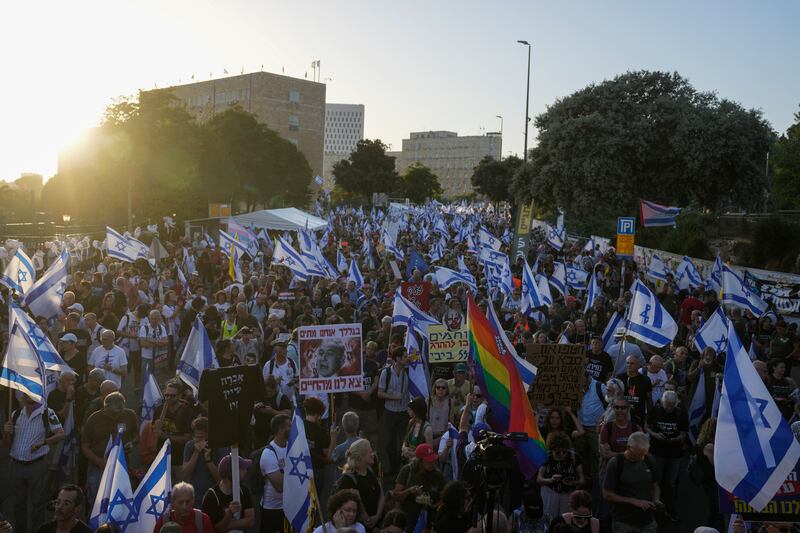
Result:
pixel 579 517
pixel 559 476
pixel 439 410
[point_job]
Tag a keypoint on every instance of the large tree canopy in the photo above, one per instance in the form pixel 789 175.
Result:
pixel 493 178
pixel 785 163
pixel 418 183
pixel 646 135
pixel 367 170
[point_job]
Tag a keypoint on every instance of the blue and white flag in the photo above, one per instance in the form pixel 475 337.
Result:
pixel 299 496
pixel 355 274
pixel 23 370
pixel 41 341
pixel 576 278
pixel 417 376
pixel 714 280
pixel 462 267
pixel 341 262
pixel 121 509
pixel 422 522
pixel 198 355
pixel 593 294
pixel 152 496
pixel 406 313
pixel 487 239
pixel 559 278
pixel 687 275
pixel 120 247
pixel 544 289
pixel 45 297
pixel 68 460
pixel 697 409
pixel 655 215
pixel 226 241
pixel 451 436
pixel 285 255
pixel 506 279
pixel 648 321
pixel 657 270
pixel 391 247
pixel 531 299
pixel 142 250
pixel 713 333
pixel 754 448
pixel 736 292
pixel 264 236
pixel 555 236
pixel 614 322
pixel 20 274
pixel 244 236
pixel 446 277
pixel 151 399
pixel 527 371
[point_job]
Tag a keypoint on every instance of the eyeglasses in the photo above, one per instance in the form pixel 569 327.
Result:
pixel 620 407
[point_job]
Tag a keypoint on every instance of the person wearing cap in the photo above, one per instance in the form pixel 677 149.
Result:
pixel 69 352
pixel 283 368
pixel 419 482
pixel 622 349
pixel 82 338
pixel 218 504
pixel 459 386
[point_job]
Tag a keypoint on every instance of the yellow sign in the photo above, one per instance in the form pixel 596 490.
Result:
pixel 525 218
pixel 624 244
pixel 219 210
pixel 445 346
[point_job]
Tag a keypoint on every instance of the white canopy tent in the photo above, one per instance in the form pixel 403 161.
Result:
pixel 286 219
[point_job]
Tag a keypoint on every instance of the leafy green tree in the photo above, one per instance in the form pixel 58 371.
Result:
pixel 419 183
pixel 367 170
pixel 646 135
pixel 785 163
pixel 493 178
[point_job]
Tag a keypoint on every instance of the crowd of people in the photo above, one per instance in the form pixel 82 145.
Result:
pixel 381 458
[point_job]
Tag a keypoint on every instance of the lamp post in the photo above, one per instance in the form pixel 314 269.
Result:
pixel 527 100
pixel 501 135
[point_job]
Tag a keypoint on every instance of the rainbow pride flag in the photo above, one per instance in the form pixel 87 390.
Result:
pixel 502 387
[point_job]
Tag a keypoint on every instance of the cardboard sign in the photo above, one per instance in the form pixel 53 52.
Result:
pixel 331 358
pixel 418 293
pixel 560 375
pixel 445 346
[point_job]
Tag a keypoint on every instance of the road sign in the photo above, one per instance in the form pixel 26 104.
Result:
pixel 626 229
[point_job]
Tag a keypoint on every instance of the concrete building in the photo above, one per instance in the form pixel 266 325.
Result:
pixel 450 157
pixel 292 107
pixel 344 127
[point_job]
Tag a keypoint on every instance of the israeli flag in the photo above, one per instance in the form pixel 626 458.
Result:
pixel 151 399
pixel 20 274
pixel 462 267
pixel 198 355
pixel 527 371
pixel 299 496
pixel 67 461
pixel 151 499
pixel 264 236
pixel 391 247
pixel 285 255
pixel 614 322
pixel 226 241
pixel 308 251
pixel 487 239
pixel 531 299
pixel 417 376
pixel 555 236
pixel 713 333
pixel 687 274
pixel 23 370
pixel 121 509
pixel 142 250
pixel 446 278
pixel 593 294
pixel 341 262
pixel 119 246
pixel 754 448
pixel 657 270
pixel 714 280
pixel 330 270
pixel 648 321
pixel 697 409
pixel 99 513
pixel 559 278
pixel 355 274
pixel 655 215
pixel 41 342
pixel 736 292
pixel 471 248
pixel 576 278
pixel 451 436
pixel 544 289
pixel 243 235
pixel 405 313
pixel 506 279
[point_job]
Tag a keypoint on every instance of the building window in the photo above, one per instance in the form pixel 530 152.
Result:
pixel 294 122
pixel 294 96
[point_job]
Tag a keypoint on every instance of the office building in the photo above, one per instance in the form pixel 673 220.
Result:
pixel 344 127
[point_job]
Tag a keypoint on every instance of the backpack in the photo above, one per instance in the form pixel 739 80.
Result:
pixel 45 420
pixel 255 478
pixel 271 365
pixel 621 466
pixel 381 402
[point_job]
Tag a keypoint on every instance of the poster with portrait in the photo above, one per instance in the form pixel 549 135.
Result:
pixel 330 358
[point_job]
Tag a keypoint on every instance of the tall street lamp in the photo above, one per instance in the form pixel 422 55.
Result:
pixel 527 100
pixel 501 136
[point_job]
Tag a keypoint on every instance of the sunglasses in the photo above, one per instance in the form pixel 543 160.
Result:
pixel 441 387
pixel 581 516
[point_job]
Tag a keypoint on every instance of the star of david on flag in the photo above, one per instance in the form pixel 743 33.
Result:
pixel 298 491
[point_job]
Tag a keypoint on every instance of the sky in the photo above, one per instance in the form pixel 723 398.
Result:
pixel 415 65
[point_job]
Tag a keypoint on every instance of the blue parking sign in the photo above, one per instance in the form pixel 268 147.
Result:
pixel 626 225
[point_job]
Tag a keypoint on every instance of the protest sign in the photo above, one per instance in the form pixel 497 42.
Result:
pixel 331 358
pixel 231 392
pixel 445 346
pixel 560 376
pixel 418 293
pixel 785 505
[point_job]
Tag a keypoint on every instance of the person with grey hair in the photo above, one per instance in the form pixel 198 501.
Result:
pixel 668 426
pixel 330 358
pixel 632 488
pixel 183 512
pixel 350 428
pixel 110 357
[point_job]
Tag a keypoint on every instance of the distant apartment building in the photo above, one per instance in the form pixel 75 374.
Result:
pixel 292 107
pixel 450 157
pixel 344 127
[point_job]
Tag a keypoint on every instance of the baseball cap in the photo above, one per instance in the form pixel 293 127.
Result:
pixel 461 367
pixel 224 467
pixel 282 338
pixel 425 453
pixel 620 332
pixel 69 337
pixel 477 428
pixel 78 308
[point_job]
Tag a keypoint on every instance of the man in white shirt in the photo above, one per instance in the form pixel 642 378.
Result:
pixel 272 464
pixel 153 342
pixel 110 357
pixel 283 368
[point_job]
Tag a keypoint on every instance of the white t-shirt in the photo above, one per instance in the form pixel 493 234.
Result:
pixel 115 357
pixel 129 324
pixel 148 331
pixel 657 380
pixel 269 463
pixel 328 527
pixel 283 373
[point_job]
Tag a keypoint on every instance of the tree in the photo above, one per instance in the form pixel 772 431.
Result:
pixel 419 183
pixel 785 162
pixel 368 170
pixel 493 178
pixel 646 135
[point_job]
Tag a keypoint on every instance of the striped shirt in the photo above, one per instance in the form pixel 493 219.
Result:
pixel 30 430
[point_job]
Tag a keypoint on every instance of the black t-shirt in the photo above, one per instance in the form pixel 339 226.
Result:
pixel 178 421
pixel 318 442
pixel 50 527
pixel 215 502
pixel 371 372
pixel 368 487
pixel 637 390
pixel 599 365
pixel 56 400
pixel 231 393
pixel 669 425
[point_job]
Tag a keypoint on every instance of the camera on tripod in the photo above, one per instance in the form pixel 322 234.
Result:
pixel 488 467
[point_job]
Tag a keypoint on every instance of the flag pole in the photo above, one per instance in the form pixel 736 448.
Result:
pixel 11 293
pixel 235 472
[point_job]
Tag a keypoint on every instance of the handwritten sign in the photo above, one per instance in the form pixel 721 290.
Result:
pixel 446 346
pixel 560 375
pixel 331 358
pixel 418 293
